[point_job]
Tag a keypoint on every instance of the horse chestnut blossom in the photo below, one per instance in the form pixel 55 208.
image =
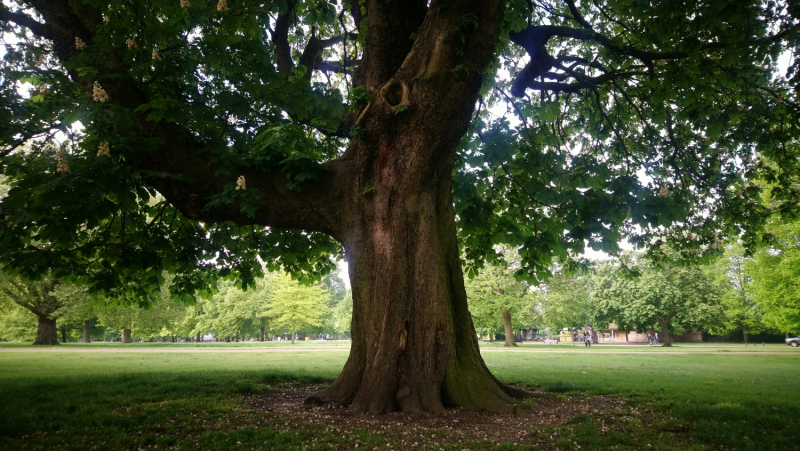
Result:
pixel 103 150
pixel 185 4
pixel 156 56
pixel 222 5
pixel 61 163
pixel 132 45
pixel 663 192
pixel 106 19
pixel 98 93
pixel 43 90
pixel 240 183
pixel 79 44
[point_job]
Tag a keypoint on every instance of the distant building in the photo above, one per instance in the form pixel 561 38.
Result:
pixel 612 334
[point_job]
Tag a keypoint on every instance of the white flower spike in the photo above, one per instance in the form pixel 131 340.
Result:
pixel 103 149
pixel 80 45
pixel 98 93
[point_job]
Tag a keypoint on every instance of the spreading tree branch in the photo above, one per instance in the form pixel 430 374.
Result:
pixel 37 28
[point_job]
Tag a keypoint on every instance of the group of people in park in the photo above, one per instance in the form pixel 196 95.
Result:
pixel 586 339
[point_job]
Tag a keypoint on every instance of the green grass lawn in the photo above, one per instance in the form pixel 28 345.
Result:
pixel 116 401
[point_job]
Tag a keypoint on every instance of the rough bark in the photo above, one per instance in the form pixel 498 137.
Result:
pixel 666 336
pixel 126 335
pixel 46 333
pixel 744 333
pixel 86 332
pixel 509 329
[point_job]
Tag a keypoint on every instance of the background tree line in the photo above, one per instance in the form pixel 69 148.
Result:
pixel 47 311
pixel 735 295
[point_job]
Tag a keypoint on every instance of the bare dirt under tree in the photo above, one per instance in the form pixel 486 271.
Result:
pixel 455 426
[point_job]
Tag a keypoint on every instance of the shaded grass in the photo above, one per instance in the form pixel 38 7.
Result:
pixel 193 401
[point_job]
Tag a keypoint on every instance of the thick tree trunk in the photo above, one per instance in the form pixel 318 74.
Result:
pixel 262 336
pixel 666 336
pixel 293 332
pixel 86 332
pixel 509 329
pixel 198 337
pixel 46 333
pixel 63 334
pixel 744 334
pixel 413 341
pixel 126 335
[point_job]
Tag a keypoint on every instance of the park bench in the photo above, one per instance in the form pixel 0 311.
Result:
pixel 550 341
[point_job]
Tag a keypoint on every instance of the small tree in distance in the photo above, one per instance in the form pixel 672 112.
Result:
pixel 295 305
pixel 670 299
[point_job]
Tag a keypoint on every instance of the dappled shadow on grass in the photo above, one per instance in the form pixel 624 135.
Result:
pixel 225 410
pixel 124 411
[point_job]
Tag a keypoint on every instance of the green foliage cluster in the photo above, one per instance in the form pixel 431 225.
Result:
pixel 494 290
pixel 230 314
pixel 668 298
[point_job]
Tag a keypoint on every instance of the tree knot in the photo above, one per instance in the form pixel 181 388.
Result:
pixel 395 93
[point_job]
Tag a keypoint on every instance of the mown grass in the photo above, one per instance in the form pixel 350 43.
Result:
pixel 116 401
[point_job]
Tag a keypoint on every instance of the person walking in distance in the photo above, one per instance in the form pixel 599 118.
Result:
pixel 587 340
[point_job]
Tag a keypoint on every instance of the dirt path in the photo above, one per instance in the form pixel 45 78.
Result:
pixel 221 350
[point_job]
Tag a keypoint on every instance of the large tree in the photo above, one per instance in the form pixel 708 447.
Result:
pixel 625 114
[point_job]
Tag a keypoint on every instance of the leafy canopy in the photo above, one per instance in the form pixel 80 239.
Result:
pixel 645 120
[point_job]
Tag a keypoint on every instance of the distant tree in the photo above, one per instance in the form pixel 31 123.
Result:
pixel 295 305
pixel 337 290
pixel 565 300
pixel 234 312
pixel 76 311
pixel 160 316
pixel 732 273
pixel 671 299
pixel 46 298
pixel 776 277
pixel 495 293
pixel 343 314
